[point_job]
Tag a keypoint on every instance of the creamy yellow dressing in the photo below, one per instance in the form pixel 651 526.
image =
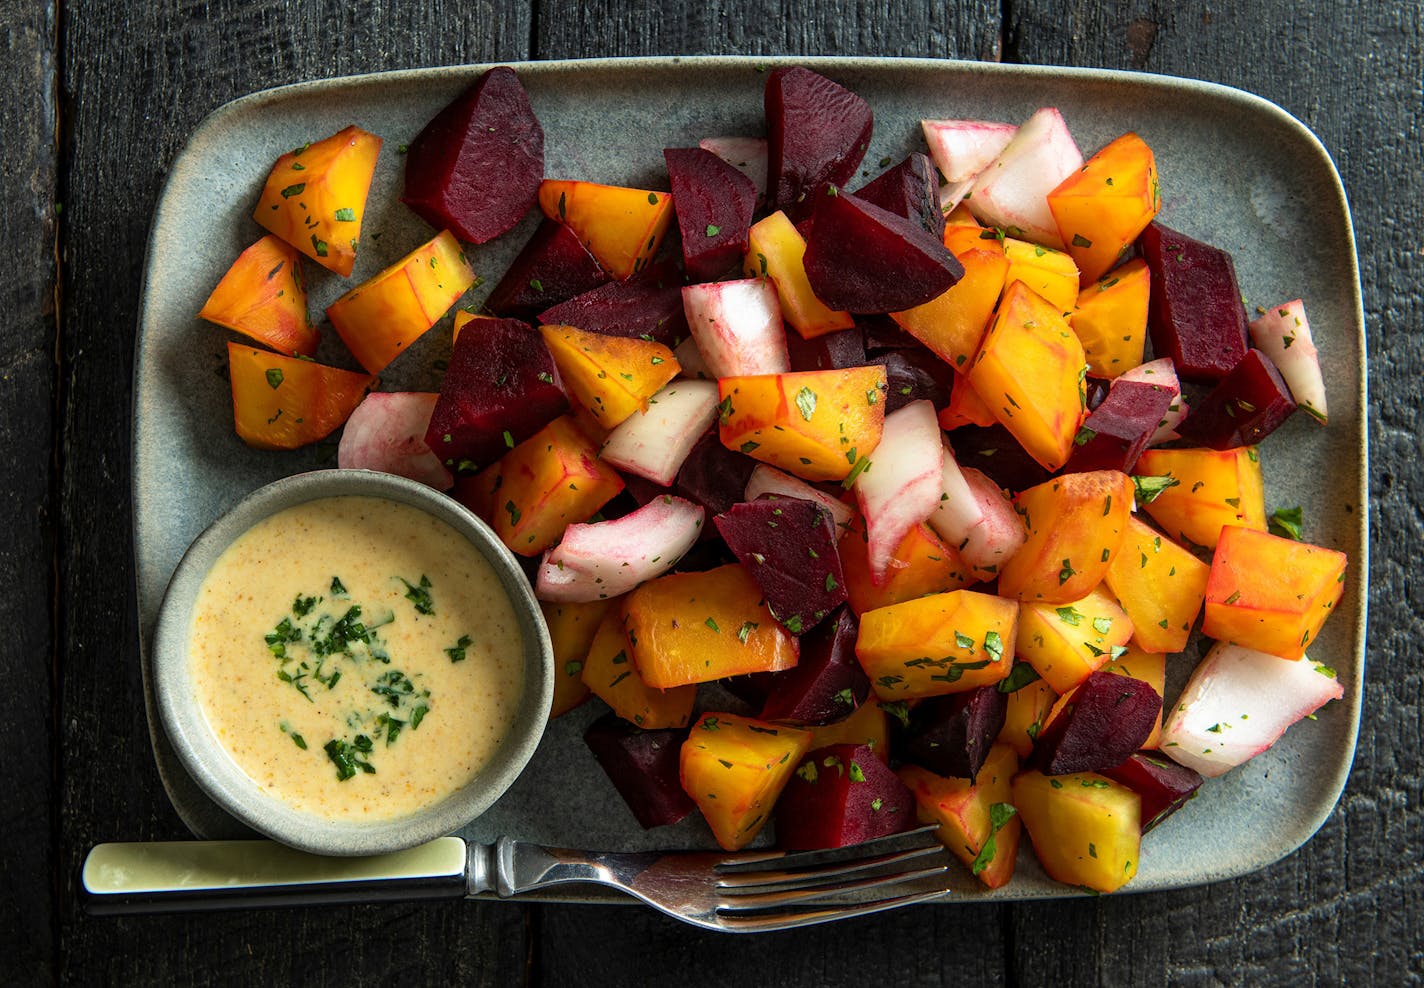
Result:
pixel 372 729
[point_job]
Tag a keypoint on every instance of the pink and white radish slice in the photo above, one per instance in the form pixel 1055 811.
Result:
pixel 386 432
pixel 607 558
pixel 769 480
pixel 654 444
pixel 1283 334
pixel 737 326
pixel 1012 192
pixel 690 359
pixel 1162 373
pixel 746 154
pixel 977 518
pixel 901 486
pixel 1238 703
pixel 961 149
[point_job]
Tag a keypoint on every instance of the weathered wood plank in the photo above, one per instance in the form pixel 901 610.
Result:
pixel 27 382
pixel 138 79
pixel 1340 909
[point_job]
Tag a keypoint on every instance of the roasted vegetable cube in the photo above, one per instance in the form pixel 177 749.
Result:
pixel 1076 524
pixel 1101 208
pixel 977 821
pixel 616 680
pixel 621 227
pixel 286 402
pixel 1151 668
pixel 571 630
pixel 922 564
pixel 1196 315
pixel 953 324
pixel 1086 829
pixel 1111 319
pixel 262 297
pixel 1029 704
pixel 1067 642
pixel 788 547
pixel 644 767
pixel 943 643
pixel 1050 273
pixel 868 726
pixel 1160 585
pixel 734 768
pixel 1213 489
pixel 775 250
pixel 842 795
pixel 1105 720
pixel 611 376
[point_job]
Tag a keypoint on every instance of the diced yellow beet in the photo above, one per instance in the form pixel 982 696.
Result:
pixel 775 250
pixel 1269 593
pixel 965 407
pixel 286 402
pixel 611 376
pixel 379 319
pixel 734 768
pixel 953 324
pixel 1076 525
pixel 1160 585
pixel 1150 668
pixel 818 425
pixel 1111 319
pixel 697 627
pixel 1085 829
pixel 1067 643
pixel 1027 715
pixel 1030 372
pixel 262 297
pixel 942 643
pixel 1214 488
pixel 1051 273
pixel 611 675
pixel 867 725
pixel 1102 207
pixel 965 812
pixel 922 564
pixel 572 628
pixel 621 227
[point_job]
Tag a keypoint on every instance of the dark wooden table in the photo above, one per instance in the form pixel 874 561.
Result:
pixel 98 97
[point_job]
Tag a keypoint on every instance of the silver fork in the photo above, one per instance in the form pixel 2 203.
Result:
pixel 744 892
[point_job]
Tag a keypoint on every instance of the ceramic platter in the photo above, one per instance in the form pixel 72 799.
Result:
pixel 1236 171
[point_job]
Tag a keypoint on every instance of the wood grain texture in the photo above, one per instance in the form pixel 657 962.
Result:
pixel 1342 907
pixel 137 81
pixel 27 382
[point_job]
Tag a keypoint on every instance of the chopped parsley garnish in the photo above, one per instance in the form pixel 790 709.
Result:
pixel 457 651
pixel 419 595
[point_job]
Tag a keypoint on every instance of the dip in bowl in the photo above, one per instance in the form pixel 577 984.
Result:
pixel 351 663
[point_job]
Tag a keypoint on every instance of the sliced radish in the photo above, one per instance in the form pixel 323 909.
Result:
pixel 901 486
pixel 386 432
pixel 1238 702
pixel 977 518
pixel 1012 192
pixel 746 154
pixel 1283 334
pixel 951 195
pixel 608 558
pixel 962 149
pixel 737 326
pixel 653 444
pixel 690 359
pixel 769 480
pixel 1162 373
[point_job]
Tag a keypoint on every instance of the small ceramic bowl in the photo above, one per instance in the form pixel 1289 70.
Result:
pixel 220 777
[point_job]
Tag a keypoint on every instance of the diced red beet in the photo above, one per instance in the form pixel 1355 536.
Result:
pixel 862 258
pixel 828 682
pixel 994 451
pixel 840 795
pixel 1109 717
pixel 829 351
pixel 1246 407
pixel 553 267
pixel 915 373
pixel 714 203
pixel 788 547
pixel 643 767
pixel 476 167
pixel 1119 429
pixel 1163 785
pixel 646 305
pixel 951 734
pixel 498 391
pixel 1195 313
pixel 714 476
pixel 883 333
pixel 910 189
pixel 817 133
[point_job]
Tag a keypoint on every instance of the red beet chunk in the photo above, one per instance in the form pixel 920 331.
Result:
pixel 643 767
pixel 1246 407
pixel 840 795
pixel 648 306
pixel 714 204
pixel 915 373
pixel 714 476
pixel 911 190
pixel 475 169
pixel 553 267
pixel 1195 313
pixel 830 351
pixel 883 333
pixel 828 683
pixel 994 451
pixel 498 391
pixel 1119 429
pixel 1109 718
pixel 950 735
pixel 862 258
pixel 817 133
pixel 788 547
pixel 1163 785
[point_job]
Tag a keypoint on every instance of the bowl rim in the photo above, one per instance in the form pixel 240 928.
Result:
pixel 219 775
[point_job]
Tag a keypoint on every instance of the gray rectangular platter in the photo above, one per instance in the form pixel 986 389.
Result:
pixel 1236 171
